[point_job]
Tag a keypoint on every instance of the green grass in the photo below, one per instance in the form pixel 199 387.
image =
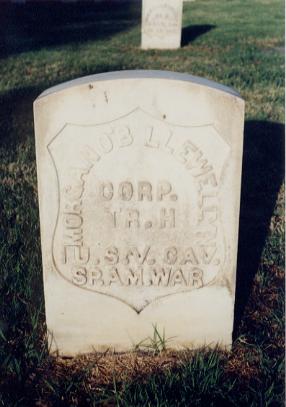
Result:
pixel 235 42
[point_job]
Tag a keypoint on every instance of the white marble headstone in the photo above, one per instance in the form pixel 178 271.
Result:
pixel 161 24
pixel 139 178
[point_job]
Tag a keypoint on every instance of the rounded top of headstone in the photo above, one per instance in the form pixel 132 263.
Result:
pixel 140 74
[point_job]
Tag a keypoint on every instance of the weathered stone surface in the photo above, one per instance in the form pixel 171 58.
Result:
pixel 161 24
pixel 139 187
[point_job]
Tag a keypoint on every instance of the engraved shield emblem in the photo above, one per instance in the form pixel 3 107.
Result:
pixel 138 215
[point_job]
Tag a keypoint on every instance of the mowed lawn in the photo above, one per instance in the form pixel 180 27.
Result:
pixel 235 42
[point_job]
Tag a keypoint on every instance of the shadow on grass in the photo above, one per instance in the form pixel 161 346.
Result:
pixel 16 110
pixel 191 32
pixel 30 26
pixel 262 176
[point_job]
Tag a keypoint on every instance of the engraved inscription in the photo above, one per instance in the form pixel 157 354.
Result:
pixel 161 20
pixel 142 191
pixel 139 208
pixel 156 277
pixel 177 266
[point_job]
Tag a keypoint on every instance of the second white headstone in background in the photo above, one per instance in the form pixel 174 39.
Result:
pixel 161 24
